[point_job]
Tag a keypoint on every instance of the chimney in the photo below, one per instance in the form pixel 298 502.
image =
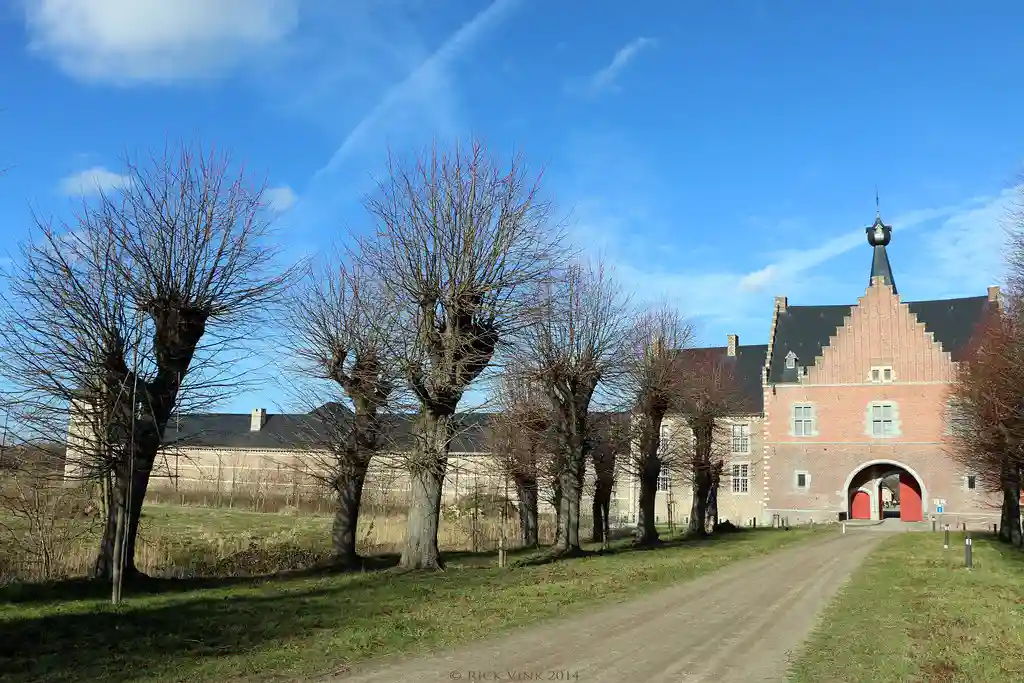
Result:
pixel 781 303
pixel 734 341
pixel 993 293
pixel 259 418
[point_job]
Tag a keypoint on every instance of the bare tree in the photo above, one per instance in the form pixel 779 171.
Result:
pixel 609 439
pixel 135 309
pixel 519 443
pixel 657 379
pixel 461 245
pixel 577 342
pixel 708 396
pixel 987 420
pixel 340 332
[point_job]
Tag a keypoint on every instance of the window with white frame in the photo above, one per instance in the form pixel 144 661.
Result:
pixel 802 480
pixel 664 482
pixel 739 476
pixel 883 421
pixel 880 374
pixel 803 419
pixel 971 482
pixel 740 441
pixel 663 438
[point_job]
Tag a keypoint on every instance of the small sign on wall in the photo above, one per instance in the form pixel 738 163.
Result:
pixel 938 509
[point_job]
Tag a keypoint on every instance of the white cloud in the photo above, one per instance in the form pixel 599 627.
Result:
pixel 793 263
pixel 131 41
pixel 280 199
pixel 425 85
pixel 605 78
pixel 92 181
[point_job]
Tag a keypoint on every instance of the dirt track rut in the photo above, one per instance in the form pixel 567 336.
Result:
pixel 737 624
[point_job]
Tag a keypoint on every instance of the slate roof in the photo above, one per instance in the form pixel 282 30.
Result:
pixel 806 330
pixel 748 365
pixel 284 431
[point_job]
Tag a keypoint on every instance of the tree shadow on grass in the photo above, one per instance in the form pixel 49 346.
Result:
pixel 176 637
pixel 627 546
pixel 1008 552
pixel 92 589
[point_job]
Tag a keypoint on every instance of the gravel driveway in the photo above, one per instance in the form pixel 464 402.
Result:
pixel 738 624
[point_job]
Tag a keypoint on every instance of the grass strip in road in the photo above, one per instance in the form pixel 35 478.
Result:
pixel 293 628
pixel 913 612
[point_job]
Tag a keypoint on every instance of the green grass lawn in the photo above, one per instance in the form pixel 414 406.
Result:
pixel 287 628
pixel 914 613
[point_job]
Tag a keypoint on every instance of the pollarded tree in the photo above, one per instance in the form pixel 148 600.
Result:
pixel 608 442
pixel 340 331
pixel 577 342
pixel 462 244
pixel 131 312
pixel 657 380
pixel 708 396
pixel 519 437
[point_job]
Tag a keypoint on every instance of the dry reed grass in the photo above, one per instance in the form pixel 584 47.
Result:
pixel 179 541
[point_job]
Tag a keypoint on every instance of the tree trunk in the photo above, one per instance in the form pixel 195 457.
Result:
pixel 699 508
pixel 556 503
pixel 567 534
pixel 646 529
pixel 140 484
pixel 426 474
pixel 1011 531
pixel 712 509
pixel 348 490
pixel 601 510
pixel 105 560
pixel 527 508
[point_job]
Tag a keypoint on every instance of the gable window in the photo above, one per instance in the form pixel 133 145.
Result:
pixel 664 482
pixel 791 360
pixel 881 374
pixel 739 474
pixel 740 438
pixel 882 419
pixel 803 419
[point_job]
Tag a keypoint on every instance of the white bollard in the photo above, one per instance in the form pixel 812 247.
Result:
pixel 844 527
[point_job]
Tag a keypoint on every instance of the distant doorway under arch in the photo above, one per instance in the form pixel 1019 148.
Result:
pixel 881 490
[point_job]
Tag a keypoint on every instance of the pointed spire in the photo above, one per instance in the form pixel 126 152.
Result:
pixel 879 235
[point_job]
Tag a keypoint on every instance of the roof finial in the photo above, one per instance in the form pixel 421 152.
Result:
pixel 878 210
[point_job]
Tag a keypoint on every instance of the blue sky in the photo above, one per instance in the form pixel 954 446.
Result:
pixel 718 154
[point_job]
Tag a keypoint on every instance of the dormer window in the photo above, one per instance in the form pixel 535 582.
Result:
pixel 881 374
pixel 790 360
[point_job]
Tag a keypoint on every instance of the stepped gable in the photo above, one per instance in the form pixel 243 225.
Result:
pixel 807 330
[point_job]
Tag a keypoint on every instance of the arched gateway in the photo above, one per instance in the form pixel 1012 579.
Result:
pixel 884 488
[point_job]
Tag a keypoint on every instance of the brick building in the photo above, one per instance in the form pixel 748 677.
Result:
pixel 852 413
pixel 844 413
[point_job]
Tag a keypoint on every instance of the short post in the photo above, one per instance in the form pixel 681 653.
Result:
pixel 965 527
pixel 755 522
pixel 933 524
pixel 968 555
pixel 945 538
pixel 995 529
pixel 501 551
pixel 844 527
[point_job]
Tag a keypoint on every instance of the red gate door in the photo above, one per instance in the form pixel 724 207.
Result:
pixel 910 499
pixel 860 505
